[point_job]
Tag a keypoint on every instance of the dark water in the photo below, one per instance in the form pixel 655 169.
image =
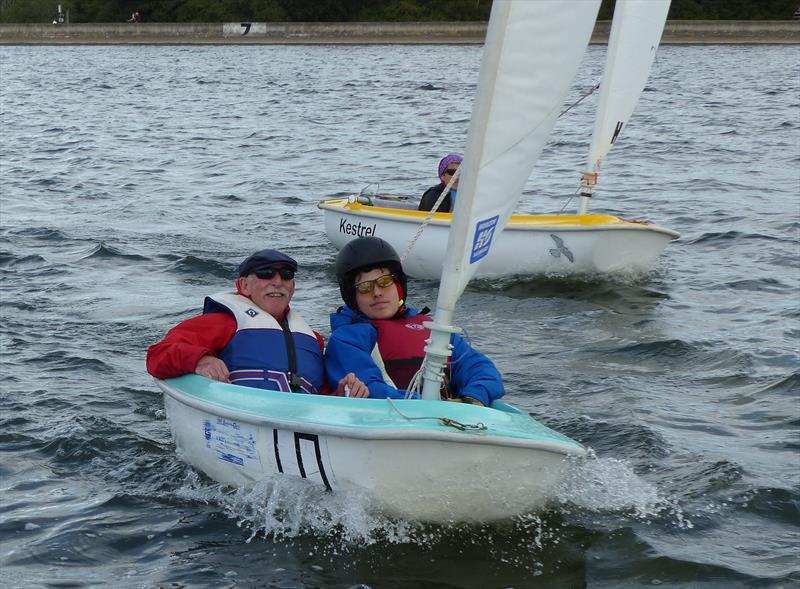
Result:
pixel 133 179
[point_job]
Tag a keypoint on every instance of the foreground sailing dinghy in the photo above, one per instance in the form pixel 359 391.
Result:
pixel 561 245
pixel 420 460
pixel 428 459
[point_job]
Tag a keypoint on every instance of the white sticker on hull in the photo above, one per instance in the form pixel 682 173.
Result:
pixel 303 455
pixel 231 442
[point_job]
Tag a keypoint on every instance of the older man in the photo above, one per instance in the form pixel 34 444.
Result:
pixel 250 337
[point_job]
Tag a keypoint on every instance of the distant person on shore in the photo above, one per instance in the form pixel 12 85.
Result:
pixel 135 17
pixel 383 341
pixel 447 167
pixel 251 337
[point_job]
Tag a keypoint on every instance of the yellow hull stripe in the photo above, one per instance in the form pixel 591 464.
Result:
pixel 515 221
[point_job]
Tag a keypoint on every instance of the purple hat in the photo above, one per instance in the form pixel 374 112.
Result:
pixel 447 160
pixel 265 259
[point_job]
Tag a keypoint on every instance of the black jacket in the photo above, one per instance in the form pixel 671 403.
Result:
pixel 430 197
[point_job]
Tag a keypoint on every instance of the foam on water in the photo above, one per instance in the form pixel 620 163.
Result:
pixel 291 511
pixel 288 507
pixel 610 485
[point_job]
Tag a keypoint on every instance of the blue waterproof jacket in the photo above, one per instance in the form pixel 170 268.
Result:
pixel 350 346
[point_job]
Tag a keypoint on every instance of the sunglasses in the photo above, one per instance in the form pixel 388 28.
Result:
pixel 449 172
pixel 269 273
pixel 382 281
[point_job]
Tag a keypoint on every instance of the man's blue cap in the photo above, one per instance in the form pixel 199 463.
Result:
pixel 265 259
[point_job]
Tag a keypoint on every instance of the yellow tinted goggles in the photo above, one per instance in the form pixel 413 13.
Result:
pixel 382 281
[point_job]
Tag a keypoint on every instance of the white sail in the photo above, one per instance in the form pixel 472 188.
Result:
pixel 635 34
pixel 531 55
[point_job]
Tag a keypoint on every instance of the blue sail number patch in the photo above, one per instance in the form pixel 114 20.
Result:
pixel 484 231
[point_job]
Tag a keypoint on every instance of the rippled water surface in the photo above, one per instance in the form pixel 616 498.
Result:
pixel 134 179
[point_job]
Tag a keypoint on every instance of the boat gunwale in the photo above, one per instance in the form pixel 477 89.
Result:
pixel 530 223
pixel 407 433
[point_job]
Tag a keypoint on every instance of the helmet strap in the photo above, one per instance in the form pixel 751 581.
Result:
pixel 401 306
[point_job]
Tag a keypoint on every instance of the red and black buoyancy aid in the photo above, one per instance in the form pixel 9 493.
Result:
pixel 402 347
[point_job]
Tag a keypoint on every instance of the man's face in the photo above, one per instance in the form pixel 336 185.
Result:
pixel 270 294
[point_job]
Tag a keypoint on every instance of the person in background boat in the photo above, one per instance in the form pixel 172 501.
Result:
pixel 135 17
pixel 382 340
pixel 251 337
pixel 447 167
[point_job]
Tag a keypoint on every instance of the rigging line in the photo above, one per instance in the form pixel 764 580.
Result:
pixel 442 420
pixel 430 214
pixel 569 200
pixel 566 204
pixel 375 192
pixel 446 190
pixel 577 102
pixel 536 128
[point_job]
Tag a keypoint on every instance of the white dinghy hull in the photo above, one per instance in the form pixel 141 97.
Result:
pixel 402 454
pixel 553 245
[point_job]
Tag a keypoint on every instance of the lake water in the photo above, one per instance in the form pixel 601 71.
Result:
pixel 134 179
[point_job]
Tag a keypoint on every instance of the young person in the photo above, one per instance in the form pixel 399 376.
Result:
pixel 382 340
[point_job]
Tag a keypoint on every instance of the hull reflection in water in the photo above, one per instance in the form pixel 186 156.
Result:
pixel 419 460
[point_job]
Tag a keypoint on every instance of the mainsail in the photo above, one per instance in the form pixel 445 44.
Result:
pixel 635 34
pixel 531 55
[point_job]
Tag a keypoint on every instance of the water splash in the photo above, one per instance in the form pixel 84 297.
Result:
pixel 282 508
pixel 292 511
pixel 611 485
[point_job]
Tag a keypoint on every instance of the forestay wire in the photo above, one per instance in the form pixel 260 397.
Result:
pixel 591 91
pixel 586 94
pixel 457 173
pixel 415 385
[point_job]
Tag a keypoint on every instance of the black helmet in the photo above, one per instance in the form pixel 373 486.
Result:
pixel 364 254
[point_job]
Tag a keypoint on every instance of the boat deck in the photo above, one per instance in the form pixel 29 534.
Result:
pixel 401 210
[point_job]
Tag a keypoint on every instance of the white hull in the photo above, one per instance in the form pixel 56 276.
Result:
pixel 418 472
pixel 560 245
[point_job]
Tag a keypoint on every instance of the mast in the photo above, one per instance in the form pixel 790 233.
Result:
pixel 438 349
pixel 635 34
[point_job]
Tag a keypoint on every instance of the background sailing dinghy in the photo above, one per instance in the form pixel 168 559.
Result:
pixel 558 245
pixel 426 459
pixel 538 244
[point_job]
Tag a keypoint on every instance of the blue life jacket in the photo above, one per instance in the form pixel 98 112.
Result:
pixel 265 353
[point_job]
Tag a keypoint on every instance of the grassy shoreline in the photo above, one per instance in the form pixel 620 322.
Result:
pixel 675 32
